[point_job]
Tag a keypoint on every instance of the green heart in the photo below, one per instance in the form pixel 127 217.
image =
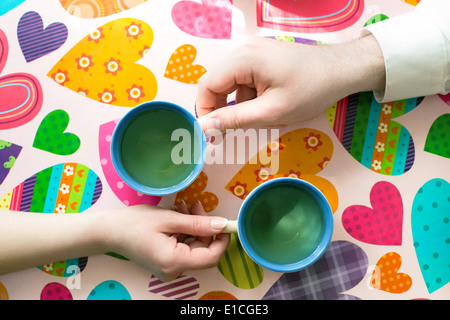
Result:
pixel 51 137
pixel 438 138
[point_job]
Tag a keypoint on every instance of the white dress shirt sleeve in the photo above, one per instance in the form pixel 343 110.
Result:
pixel 416 51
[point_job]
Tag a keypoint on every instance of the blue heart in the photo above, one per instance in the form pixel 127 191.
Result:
pixel 34 40
pixel 7 5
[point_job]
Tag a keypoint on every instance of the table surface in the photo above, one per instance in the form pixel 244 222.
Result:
pixel 74 70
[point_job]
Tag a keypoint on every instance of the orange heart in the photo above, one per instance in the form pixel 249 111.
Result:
pixel 195 193
pixel 386 277
pixel 180 67
pixel 77 187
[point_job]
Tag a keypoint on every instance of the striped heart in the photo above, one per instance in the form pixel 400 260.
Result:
pixel 34 40
pixel 182 288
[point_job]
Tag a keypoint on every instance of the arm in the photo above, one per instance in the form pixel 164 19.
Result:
pixel 153 237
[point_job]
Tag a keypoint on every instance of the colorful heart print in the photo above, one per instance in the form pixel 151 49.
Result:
pixel 103 67
pixel 238 268
pixel 182 288
pixel 55 291
pixel 181 68
pixel 62 188
pixel 65 268
pixel 210 19
pixel 195 192
pixel 430 222
pixel 20 93
pixel 35 41
pixel 51 135
pixel 308 16
pixel 366 131
pixel 438 138
pixel 301 153
pixel 9 152
pixel 6 6
pixel 341 267
pixel 122 191
pixel 382 224
pixel 386 277
pixel 109 290
pixel 98 8
pixel 217 295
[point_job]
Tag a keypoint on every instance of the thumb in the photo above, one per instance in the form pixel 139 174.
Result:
pixel 196 225
pixel 243 115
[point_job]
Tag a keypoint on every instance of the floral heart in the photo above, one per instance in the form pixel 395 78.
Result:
pixel 308 16
pixel 438 138
pixel 430 223
pixel 366 130
pixel 194 192
pixel 386 277
pixel 302 153
pixel 341 267
pixel 98 8
pixel 180 67
pixel 381 224
pixel 103 67
pixel 51 135
pixel 6 6
pixel 210 19
pixel 34 40
pixel 20 93
pixel 124 192
pixel 52 191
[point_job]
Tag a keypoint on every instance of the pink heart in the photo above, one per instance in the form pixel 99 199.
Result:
pixel 381 224
pixel 20 93
pixel 211 19
pixel 124 192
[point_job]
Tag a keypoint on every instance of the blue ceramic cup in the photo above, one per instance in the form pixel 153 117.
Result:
pixel 284 224
pixel 158 148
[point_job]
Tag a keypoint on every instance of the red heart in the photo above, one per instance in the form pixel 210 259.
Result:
pixel 20 94
pixel 381 224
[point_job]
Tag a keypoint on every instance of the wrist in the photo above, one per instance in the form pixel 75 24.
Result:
pixel 362 65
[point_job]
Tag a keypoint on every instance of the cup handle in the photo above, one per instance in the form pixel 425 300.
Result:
pixel 231 227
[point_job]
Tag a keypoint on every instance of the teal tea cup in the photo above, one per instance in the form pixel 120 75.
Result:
pixel 284 224
pixel 158 148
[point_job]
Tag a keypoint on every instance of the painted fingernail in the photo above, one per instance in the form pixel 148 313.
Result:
pixel 218 223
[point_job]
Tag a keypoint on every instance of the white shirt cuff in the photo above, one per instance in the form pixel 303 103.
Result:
pixel 414 52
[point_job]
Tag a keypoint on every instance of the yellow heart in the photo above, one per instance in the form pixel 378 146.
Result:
pixel 102 66
pixel 301 153
pixel 180 67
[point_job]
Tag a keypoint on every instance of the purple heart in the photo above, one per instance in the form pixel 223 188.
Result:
pixel 34 40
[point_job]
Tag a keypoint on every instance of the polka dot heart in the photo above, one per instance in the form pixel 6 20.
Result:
pixel 195 193
pixel 438 138
pixel 210 19
pixel 386 277
pixel 51 137
pixel 430 223
pixel 180 67
pixel 381 224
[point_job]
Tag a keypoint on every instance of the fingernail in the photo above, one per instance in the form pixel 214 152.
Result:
pixel 218 223
pixel 213 127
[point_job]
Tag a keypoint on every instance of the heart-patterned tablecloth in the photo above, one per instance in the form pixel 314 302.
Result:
pixel 70 69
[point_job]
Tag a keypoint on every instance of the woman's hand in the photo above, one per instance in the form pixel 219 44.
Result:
pixel 168 242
